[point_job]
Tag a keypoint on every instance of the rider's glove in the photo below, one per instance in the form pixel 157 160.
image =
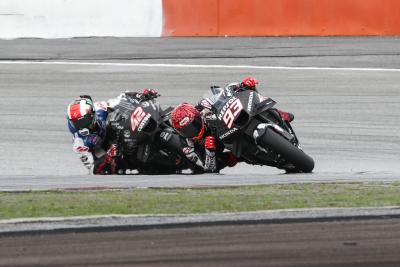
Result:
pixel 249 82
pixel 149 93
pixel 110 160
pixel 210 143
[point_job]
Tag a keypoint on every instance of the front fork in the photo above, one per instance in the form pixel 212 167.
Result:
pixel 272 119
pixel 262 127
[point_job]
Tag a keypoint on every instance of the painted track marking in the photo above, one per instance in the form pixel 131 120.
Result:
pixel 156 65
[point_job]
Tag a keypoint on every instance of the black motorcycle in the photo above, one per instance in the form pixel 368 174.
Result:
pixel 147 142
pixel 249 126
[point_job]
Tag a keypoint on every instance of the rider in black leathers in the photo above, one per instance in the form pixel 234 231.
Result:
pixel 161 154
pixel 195 123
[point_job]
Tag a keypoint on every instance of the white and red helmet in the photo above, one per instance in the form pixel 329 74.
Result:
pixel 81 113
pixel 187 120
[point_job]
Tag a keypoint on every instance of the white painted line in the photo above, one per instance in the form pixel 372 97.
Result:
pixel 155 65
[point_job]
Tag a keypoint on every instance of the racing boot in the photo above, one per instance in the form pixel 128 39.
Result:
pixel 286 116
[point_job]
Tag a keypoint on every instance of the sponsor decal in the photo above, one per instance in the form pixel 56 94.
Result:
pixel 137 117
pixel 143 123
pixel 127 134
pixel 230 111
pixel 165 136
pixel 117 125
pixel 225 107
pixel 250 104
pixel 231 131
pixel 184 121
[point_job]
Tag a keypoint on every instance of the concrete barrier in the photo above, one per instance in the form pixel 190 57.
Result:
pixel 281 17
pixel 80 18
pixel 134 18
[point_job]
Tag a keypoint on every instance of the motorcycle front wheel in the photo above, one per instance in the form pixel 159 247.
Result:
pixel 291 153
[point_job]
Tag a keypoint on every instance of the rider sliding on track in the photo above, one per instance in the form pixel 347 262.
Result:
pixel 192 122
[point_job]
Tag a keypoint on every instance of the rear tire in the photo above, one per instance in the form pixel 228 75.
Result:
pixel 294 155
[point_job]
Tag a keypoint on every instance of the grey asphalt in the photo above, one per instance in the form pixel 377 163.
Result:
pixel 340 243
pixel 48 225
pixel 288 51
pixel 347 120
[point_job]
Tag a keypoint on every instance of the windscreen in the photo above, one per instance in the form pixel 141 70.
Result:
pixel 217 96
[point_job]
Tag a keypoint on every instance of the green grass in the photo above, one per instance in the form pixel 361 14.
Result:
pixel 183 201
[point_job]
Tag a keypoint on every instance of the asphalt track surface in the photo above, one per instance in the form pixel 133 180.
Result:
pixel 344 92
pixel 359 243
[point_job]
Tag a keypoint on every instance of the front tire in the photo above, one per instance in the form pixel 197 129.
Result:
pixel 294 155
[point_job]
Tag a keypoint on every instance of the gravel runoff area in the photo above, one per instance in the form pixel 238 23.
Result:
pixel 131 222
